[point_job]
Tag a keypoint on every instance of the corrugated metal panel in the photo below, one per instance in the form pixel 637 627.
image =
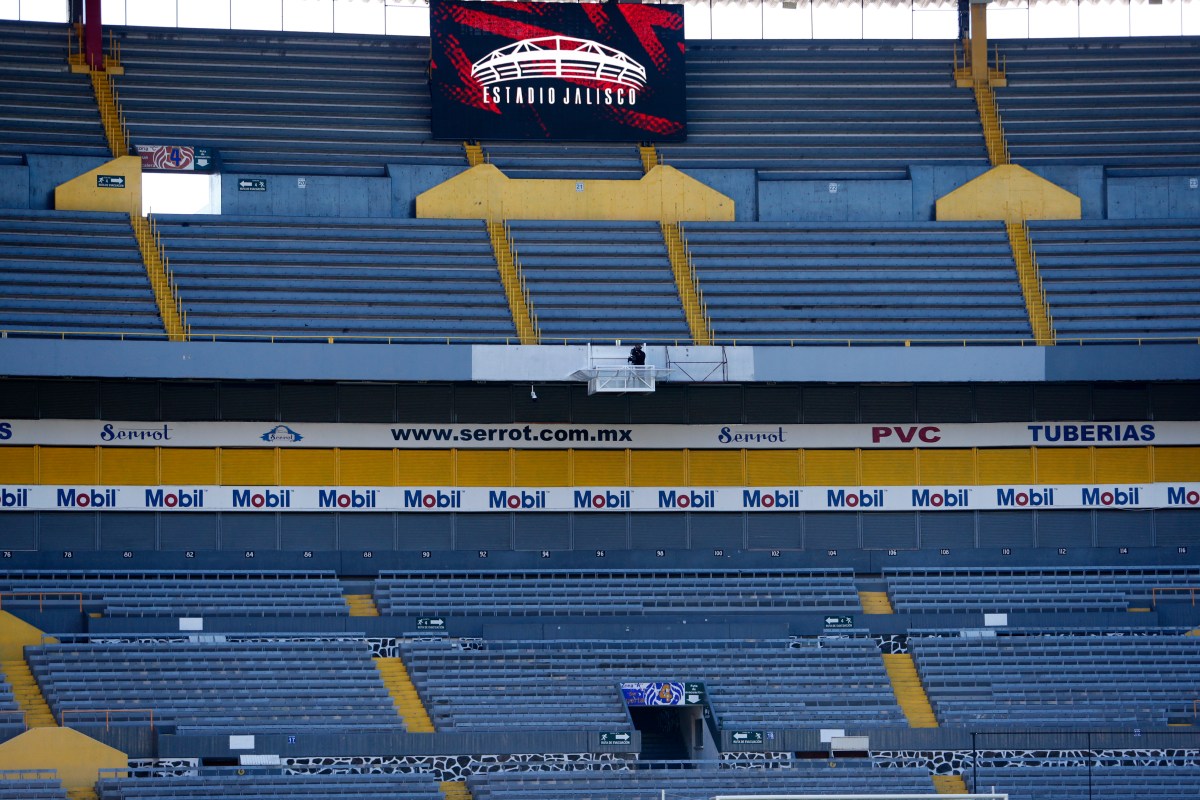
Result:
pixel 1062 402
pixel 1117 403
pixel 947 529
pixel 128 531
pixel 1006 529
pixel 830 468
pixel 191 531
pixel 129 400
pixel 945 404
pixel 602 407
pixel 432 402
pixel 767 404
pixel 1005 466
pixel 830 404
pixel 307 402
pixel 772 467
pixel 366 467
pixel 68 530
pixel 830 531
pixel 131 466
pixel 1003 403
pixel 249 531
pixel 1175 526
pixel 1122 464
pixel 1170 401
pixel 425 531
pixel 1064 528
pixel 600 467
pixel 19 465
pixel 186 465
pixel 657 467
pixel 1064 465
pixel 248 467
pixel 366 403
pixel 716 468
pixel 68 465
pixel 718 531
pixel 889 467
pixel 479 468
pixel 432 467
pixel 655 531
pixel 542 531
pixel 18 399
pixel 889 529
pixel 1125 528
pixel 189 401
pixel 553 404
pixel 667 405
pixel 483 532
pixel 69 400
pixel 715 405
pixel 946 466
pixel 782 531
pixel 887 404
pixel 483 403
pixel 308 467
pixel 365 532
pixel 1177 463
pixel 308 532
pixel 20 530
pixel 251 402
pixel 542 467
pixel 606 531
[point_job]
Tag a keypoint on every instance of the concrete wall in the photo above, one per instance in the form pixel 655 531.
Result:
pixel 408 181
pixel 1174 196
pixel 14 187
pixel 47 172
pixel 835 201
pixel 740 185
pixel 307 196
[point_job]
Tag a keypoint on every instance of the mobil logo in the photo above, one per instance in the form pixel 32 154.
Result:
pixel 517 501
pixel 175 498
pixel 1179 496
pixel 14 498
pixel 600 498
pixel 761 498
pixel 906 434
pixel 1110 496
pixel 863 498
pixel 248 498
pixel 942 498
pixel 418 498
pixel 1023 498
pixel 685 498
pixel 332 498
pixel 86 498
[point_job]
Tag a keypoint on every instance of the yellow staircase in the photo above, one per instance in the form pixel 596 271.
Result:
pixel 474 152
pixel 361 605
pixel 81 793
pixel 684 270
pixel 875 603
pixel 27 694
pixel 404 695
pixel 989 117
pixel 650 157
pixel 1031 283
pixel 455 790
pixel 111 116
pixel 159 272
pixel 910 694
pixel 949 784
pixel 514 284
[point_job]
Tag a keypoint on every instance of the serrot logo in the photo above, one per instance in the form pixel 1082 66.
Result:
pixel 281 434
pixel 268 499
pixel 1114 496
pixel 1182 496
pixel 332 498
pixel 761 498
pixel 684 498
pixel 86 498
pixel 863 498
pixel 417 498
pixel 5 431
pixel 14 498
pixel 176 498
pixel 1025 498
pixel 942 498
pixel 601 499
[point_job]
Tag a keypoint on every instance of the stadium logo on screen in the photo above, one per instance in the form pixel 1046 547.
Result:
pixel 563 58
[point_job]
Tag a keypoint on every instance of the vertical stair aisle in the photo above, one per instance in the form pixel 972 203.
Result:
pixel 875 603
pixel 27 694
pixel 514 284
pixel 456 790
pixel 1031 283
pixel 949 784
pixel 111 116
pixel 404 695
pixel 475 155
pixel 910 694
pixel 650 157
pixel 361 605
pixel 161 281
pixel 993 133
pixel 694 310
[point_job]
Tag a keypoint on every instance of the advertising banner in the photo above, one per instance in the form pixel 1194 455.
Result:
pixel 442 499
pixel 523 436
pixel 557 71
pixel 175 158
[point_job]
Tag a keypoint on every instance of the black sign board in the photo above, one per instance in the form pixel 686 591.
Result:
pixel 252 184
pixel 110 181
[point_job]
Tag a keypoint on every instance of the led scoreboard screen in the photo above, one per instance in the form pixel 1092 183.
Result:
pixel 565 71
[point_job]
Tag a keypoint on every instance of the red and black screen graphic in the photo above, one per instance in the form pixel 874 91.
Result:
pixel 557 71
